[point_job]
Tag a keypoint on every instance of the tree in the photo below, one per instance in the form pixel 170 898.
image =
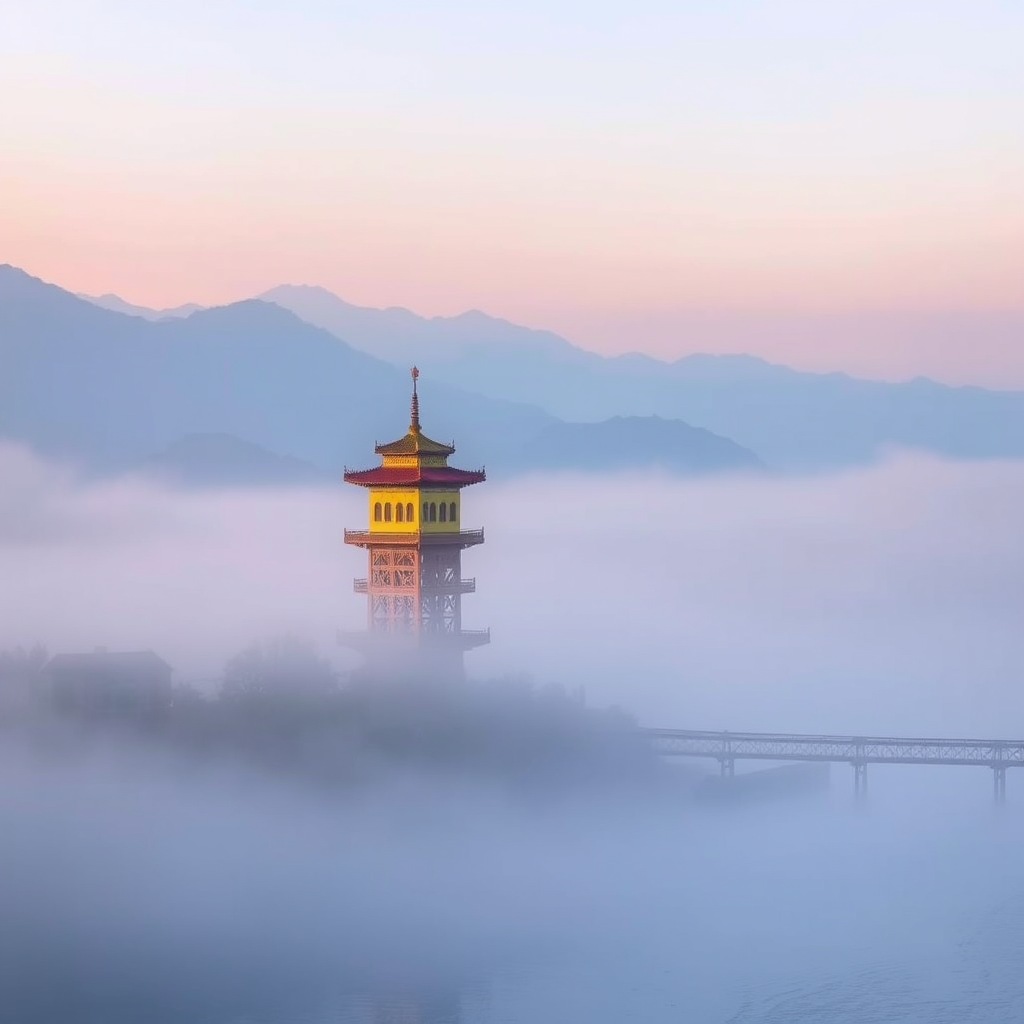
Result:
pixel 21 676
pixel 281 667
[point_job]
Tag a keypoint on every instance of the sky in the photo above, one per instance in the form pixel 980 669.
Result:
pixel 614 172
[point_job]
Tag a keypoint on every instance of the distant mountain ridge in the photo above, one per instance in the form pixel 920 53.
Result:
pixel 117 305
pixel 792 419
pixel 114 391
pixel 220 460
pixel 399 335
pixel 636 442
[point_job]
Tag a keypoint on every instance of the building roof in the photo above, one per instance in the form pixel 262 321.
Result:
pixel 418 476
pixel 423 449
pixel 415 442
pixel 120 662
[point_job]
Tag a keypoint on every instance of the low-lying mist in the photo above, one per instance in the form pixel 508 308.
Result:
pixel 877 601
pixel 141 887
pixel 143 883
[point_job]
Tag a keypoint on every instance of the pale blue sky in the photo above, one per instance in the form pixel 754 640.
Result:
pixel 547 161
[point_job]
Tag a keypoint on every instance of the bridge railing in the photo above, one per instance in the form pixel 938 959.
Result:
pixel 854 749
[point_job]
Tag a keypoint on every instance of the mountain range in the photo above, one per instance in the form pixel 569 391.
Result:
pixel 793 420
pixel 118 305
pixel 252 391
pixel 221 460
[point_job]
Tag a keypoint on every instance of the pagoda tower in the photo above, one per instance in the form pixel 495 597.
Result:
pixel 414 545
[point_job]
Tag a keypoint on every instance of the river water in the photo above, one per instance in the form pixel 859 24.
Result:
pixel 135 898
pixel 909 908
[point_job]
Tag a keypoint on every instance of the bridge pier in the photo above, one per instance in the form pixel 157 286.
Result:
pixel 727 766
pixel 999 780
pixel 860 780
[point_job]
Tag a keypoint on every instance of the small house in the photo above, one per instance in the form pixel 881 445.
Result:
pixel 129 684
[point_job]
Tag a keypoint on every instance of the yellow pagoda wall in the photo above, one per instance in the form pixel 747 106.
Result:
pixel 405 496
pixel 394 496
pixel 435 498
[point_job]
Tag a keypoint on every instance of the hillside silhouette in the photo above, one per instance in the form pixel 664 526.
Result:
pixel 791 419
pixel 116 391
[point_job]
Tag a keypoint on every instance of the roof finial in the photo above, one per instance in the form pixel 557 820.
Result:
pixel 414 419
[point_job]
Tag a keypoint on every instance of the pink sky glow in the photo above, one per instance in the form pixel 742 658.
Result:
pixel 834 191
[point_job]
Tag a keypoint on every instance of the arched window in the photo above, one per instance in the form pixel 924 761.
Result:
pixel 399 512
pixel 426 513
pixel 409 514
pixel 444 512
pixel 387 512
pixel 451 512
pixel 433 512
pixel 378 512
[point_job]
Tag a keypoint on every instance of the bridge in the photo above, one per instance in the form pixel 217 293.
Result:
pixel 859 751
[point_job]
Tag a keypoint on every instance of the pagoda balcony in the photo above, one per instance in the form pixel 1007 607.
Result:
pixel 454 587
pixel 463 538
pixel 474 637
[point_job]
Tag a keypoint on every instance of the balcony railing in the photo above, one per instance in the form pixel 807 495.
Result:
pixel 465 538
pixel 452 587
pixel 474 637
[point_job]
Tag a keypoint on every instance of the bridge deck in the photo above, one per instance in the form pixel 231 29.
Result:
pixel 754 746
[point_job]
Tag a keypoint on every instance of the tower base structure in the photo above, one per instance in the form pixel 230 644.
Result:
pixel 397 657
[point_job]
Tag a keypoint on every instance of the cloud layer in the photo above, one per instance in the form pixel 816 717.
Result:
pixel 885 600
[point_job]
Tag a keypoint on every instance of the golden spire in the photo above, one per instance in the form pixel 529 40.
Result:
pixel 414 418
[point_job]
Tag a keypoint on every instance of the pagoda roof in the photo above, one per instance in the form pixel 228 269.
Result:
pixel 415 442
pixel 414 476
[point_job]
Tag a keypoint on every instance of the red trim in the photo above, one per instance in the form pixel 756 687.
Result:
pixel 424 476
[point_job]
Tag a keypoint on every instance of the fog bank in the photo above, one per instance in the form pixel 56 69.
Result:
pixel 886 600
pixel 154 886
